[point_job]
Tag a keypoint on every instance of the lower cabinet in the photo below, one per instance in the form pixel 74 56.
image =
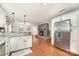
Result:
pixel 2 50
pixel 17 43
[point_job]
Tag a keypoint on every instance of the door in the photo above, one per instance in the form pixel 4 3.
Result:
pixel 62 34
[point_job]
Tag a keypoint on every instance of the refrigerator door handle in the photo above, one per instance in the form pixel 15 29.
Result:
pixel 58 35
pixel 70 27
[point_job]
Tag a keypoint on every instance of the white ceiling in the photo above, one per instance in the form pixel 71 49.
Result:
pixel 36 12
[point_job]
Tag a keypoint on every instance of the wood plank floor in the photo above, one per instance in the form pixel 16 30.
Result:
pixel 43 47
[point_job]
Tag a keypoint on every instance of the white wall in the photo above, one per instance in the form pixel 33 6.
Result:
pixel 35 30
pixel 52 31
pixel 74 16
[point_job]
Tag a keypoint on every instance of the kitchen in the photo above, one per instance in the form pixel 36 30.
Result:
pixel 24 26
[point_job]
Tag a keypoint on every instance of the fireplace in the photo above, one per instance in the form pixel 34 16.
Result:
pixel 41 33
pixel 43 30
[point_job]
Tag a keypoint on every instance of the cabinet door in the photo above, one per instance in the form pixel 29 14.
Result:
pixel 7 44
pixel 75 20
pixel 25 42
pixel 29 41
pixel 22 42
pixel 74 43
pixel 14 43
pixel 17 43
pixel 2 50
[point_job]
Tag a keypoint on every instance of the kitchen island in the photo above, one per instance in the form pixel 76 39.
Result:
pixel 17 44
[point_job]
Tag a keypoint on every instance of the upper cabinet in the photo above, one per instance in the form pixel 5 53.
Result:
pixel 2 18
pixel 74 16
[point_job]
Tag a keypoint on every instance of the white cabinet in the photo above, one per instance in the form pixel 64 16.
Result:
pixel 2 18
pixel 13 43
pixel 74 43
pixel 24 42
pixel 2 50
pixel 7 46
pixel 16 43
pixel 75 20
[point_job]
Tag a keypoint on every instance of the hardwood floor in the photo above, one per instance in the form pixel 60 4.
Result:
pixel 43 47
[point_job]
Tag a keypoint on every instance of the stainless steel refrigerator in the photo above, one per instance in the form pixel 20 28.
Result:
pixel 62 34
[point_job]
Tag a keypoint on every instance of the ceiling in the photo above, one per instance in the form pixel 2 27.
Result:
pixel 36 12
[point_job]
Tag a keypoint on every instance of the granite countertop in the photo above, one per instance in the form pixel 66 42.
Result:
pixel 17 34
pixel 3 36
pixel 8 35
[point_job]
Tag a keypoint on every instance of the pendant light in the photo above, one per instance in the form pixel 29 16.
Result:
pixel 23 26
pixel 12 22
pixel 13 17
pixel 24 19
